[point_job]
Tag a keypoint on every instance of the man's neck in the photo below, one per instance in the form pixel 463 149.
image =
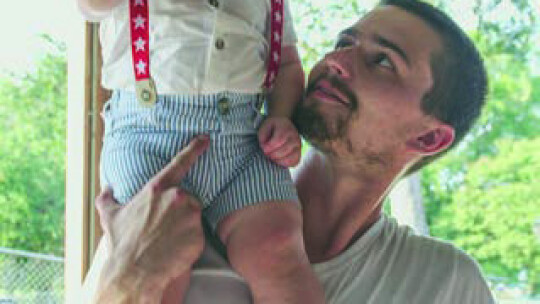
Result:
pixel 339 203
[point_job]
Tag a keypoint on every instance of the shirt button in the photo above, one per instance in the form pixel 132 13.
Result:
pixel 214 3
pixel 220 43
pixel 223 106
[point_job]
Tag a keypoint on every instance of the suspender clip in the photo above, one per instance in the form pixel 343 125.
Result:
pixel 146 91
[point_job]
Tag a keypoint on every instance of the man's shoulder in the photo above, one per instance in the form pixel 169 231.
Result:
pixel 427 248
pixel 449 269
pixel 391 263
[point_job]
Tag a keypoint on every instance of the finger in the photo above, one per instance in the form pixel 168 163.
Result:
pixel 104 201
pixel 181 198
pixel 275 143
pixel 284 150
pixel 173 207
pixel 173 173
pixel 290 160
pixel 106 205
pixel 265 132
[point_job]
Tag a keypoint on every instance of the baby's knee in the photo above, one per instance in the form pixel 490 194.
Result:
pixel 274 241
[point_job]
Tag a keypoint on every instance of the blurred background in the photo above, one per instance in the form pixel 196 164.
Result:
pixel 484 196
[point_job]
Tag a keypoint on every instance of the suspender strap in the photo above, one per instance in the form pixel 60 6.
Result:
pixel 140 51
pixel 276 33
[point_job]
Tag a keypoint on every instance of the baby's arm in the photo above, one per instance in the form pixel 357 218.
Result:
pixel 289 85
pixel 278 137
pixel 95 10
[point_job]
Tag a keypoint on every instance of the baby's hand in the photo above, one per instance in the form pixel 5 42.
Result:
pixel 280 141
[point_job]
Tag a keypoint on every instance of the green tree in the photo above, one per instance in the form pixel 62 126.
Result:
pixel 474 217
pixel 32 154
pixel 317 25
pixel 493 211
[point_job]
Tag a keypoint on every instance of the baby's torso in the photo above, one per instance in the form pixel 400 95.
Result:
pixel 196 46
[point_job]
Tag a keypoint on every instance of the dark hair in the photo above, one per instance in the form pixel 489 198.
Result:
pixel 459 76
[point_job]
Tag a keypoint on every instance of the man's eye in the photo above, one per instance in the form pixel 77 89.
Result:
pixel 384 61
pixel 342 43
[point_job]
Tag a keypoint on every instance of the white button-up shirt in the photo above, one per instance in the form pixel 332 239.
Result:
pixel 196 46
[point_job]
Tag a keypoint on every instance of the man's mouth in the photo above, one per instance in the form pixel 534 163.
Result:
pixel 325 91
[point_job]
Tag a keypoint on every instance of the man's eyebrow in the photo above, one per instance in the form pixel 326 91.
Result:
pixel 389 44
pixel 380 40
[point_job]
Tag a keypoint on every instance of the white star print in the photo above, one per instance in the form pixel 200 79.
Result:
pixel 276 56
pixel 276 36
pixel 277 17
pixel 278 1
pixel 139 2
pixel 139 44
pixel 141 67
pixel 139 22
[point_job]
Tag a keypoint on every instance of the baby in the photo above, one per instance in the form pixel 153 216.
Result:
pixel 179 68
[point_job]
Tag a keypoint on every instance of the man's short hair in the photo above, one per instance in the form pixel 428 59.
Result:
pixel 459 76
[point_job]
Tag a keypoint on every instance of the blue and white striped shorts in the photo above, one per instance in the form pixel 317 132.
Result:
pixel 232 174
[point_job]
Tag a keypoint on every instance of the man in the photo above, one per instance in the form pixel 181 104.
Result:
pixel 403 85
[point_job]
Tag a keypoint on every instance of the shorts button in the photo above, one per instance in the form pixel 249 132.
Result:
pixel 224 106
pixel 220 43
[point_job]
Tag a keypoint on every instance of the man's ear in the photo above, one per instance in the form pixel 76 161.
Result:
pixel 433 141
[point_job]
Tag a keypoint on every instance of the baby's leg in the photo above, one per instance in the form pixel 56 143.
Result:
pixel 176 290
pixel 265 245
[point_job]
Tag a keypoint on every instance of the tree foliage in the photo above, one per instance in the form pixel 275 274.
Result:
pixel 492 212
pixel 482 195
pixel 317 25
pixel 32 152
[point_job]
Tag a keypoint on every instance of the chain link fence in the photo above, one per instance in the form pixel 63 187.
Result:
pixel 27 277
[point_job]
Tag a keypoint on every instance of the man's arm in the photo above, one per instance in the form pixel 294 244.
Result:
pixel 140 259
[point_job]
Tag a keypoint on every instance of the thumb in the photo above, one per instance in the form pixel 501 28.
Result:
pixel 106 205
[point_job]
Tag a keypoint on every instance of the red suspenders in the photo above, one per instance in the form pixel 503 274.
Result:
pixel 276 32
pixel 140 48
pixel 140 51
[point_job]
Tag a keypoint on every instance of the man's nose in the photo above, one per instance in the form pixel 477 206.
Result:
pixel 338 63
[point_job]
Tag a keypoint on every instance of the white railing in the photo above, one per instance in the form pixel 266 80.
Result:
pixel 28 277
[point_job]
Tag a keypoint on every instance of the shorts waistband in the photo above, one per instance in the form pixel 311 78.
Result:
pixel 192 103
pixel 228 111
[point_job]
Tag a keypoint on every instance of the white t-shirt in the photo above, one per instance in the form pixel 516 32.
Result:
pixel 184 55
pixel 388 264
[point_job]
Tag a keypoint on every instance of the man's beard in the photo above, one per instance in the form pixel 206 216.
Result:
pixel 314 128
pixel 311 124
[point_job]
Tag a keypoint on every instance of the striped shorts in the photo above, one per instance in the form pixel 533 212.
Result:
pixel 232 174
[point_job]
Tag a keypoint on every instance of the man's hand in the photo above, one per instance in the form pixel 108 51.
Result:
pixel 280 141
pixel 154 238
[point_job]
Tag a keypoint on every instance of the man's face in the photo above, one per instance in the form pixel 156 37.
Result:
pixel 365 96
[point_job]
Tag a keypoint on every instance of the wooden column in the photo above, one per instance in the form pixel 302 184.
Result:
pixel 84 135
pixel 98 96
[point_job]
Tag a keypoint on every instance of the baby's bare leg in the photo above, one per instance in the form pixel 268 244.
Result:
pixel 265 245
pixel 176 290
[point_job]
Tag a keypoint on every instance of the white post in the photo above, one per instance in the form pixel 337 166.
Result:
pixel 407 204
pixel 75 158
